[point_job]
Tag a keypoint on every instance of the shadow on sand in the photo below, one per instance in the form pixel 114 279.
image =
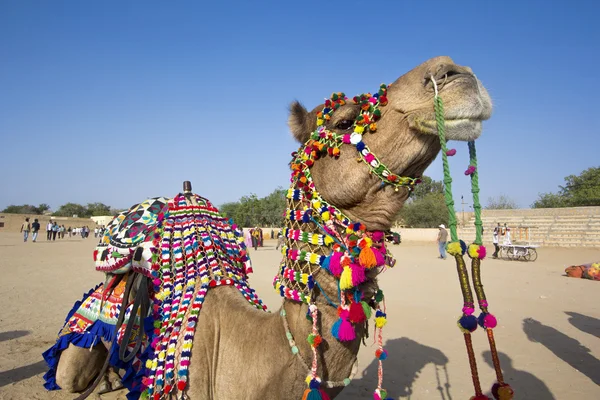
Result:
pixel 406 359
pixel 584 323
pixel 564 347
pixel 10 335
pixel 22 373
pixel 525 384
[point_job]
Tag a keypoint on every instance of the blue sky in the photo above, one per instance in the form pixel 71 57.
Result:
pixel 118 101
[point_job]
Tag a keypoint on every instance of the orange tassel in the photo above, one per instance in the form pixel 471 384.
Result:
pixel 367 258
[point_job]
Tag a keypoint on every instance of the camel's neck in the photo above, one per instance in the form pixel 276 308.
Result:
pixel 307 274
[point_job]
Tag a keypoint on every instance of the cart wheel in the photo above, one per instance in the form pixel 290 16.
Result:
pixel 531 255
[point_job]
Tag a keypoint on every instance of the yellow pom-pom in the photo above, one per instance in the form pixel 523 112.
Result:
pixel 317 204
pixel 328 240
pixel 308 379
pixel 319 122
pixel 161 355
pixel 474 251
pixel 313 258
pixel 359 129
pixel 326 216
pixel 380 322
pixel 346 279
pixel 454 248
pixel 178 286
pixel 148 364
pixel 314 239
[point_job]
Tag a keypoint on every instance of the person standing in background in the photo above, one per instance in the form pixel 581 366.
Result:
pixel 49 231
pixel 442 238
pixel 25 228
pixel 35 228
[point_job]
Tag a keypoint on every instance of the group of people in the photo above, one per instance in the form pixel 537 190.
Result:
pixel 255 237
pixel 442 239
pixel 53 230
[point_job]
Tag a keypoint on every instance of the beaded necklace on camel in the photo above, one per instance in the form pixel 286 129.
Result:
pixel 467 323
pixel 343 248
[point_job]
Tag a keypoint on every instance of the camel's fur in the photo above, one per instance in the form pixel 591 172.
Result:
pixel 240 352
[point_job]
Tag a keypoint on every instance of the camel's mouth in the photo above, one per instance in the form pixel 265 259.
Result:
pixel 462 129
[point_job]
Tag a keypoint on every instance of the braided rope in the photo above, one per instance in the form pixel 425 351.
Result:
pixel 475 191
pixel 468 323
pixel 441 127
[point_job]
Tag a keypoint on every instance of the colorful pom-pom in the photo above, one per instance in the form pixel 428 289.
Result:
pixel 346 332
pixel 502 391
pixel 379 296
pixel 358 274
pixel 381 354
pixel 357 313
pixel 367 258
pixel 335 329
pixel 471 170
pixel 467 323
pixel 454 248
pixel 487 320
pixel 335 266
pixel 450 152
pixel 477 251
pixel 366 309
pixel 346 279
pixel 380 319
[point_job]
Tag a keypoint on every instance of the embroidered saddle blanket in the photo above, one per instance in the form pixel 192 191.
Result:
pixel 184 247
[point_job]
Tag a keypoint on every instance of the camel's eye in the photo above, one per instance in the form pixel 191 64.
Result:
pixel 344 124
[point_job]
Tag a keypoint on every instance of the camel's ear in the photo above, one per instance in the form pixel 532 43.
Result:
pixel 301 122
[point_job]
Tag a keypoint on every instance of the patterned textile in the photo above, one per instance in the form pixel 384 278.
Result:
pixel 127 232
pixel 186 247
pixel 586 271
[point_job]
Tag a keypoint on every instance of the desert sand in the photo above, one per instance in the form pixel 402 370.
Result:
pixel 548 333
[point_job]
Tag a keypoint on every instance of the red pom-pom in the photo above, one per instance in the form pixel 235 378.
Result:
pixel 357 313
pixel 181 385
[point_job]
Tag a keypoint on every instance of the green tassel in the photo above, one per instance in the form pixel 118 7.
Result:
pixel 366 309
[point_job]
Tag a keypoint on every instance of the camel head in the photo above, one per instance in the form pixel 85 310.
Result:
pixel 403 139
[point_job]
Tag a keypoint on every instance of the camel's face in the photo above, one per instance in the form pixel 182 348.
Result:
pixel 405 141
pixel 466 102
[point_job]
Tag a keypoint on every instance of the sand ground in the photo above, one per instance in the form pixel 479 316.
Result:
pixel 548 333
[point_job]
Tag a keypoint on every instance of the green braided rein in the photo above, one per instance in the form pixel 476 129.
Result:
pixel 468 323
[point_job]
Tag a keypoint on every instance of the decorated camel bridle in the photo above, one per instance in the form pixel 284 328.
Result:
pixel 353 250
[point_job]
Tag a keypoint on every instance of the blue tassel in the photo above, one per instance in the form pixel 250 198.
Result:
pixel 325 263
pixel 335 329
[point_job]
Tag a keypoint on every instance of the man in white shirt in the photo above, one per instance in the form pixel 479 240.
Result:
pixel 49 231
pixel 495 241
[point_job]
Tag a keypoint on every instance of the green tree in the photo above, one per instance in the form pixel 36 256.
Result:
pixel 70 209
pixel 426 186
pixel 253 211
pixel 98 209
pixel 427 212
pixel 579 190
pixel 27 209
pixel 501 202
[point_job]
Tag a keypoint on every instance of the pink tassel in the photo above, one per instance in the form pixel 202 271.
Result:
pixel 346 332
pixel 358 274
pixel 379 256
pixel 334 263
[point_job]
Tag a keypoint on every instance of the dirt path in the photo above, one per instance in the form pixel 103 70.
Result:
pixel 548 332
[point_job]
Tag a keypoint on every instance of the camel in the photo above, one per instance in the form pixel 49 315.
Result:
pixel 339 199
